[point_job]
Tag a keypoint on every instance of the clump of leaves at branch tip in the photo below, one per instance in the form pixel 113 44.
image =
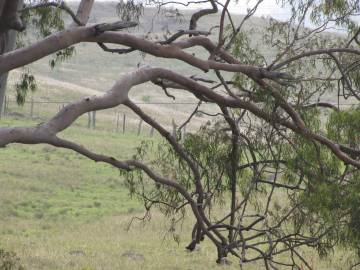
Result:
pixel 245 51
pixel 351 83
pixel 248 53
pixel 311 160
pixel 211 148
pixel 331 197
pixel 354 75
pixel 150 193
pixel 334 9
pixel 129 10
pixel 61 56
pixel 45 20
pixel 344 127
pixel 332 209
pixel 26 83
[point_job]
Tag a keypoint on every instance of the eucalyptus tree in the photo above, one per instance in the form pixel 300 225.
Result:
pixel 277 170
pixel 9 24
pixel 16 17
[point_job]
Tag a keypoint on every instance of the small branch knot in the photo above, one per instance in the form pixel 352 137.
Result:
pixel 116 26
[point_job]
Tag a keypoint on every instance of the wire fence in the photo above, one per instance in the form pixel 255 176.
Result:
pixel 120 119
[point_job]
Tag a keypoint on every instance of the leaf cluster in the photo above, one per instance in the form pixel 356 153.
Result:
pixel 27 83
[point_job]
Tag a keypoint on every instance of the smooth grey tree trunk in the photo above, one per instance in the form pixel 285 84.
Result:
pixel 7 37
pixel 7 40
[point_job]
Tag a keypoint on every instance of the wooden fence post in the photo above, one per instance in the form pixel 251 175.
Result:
pixel 139 127
pixel 184 133
pixel 2 112
pixel 174 128
pixel 124 123
pixel 117 122
pixel 94 119
pixel 5 105
pixel 89 120
pixel 32 108
pixel 8 104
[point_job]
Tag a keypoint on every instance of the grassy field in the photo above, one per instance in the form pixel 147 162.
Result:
pixel 59 210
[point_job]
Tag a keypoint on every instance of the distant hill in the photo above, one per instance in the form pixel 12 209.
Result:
pixel 155 20
pixel 89 57
pixel 92 70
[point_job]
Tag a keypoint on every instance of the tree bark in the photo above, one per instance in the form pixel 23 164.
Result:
pixel 84 11
pixel 7 40
pixel 9 24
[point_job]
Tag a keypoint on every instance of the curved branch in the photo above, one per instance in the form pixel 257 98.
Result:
pixel 118 95
pixel 315 52
pixel 321 104
pixel 130 165
pixel 345 78
pixel 167 135
pixel 203 12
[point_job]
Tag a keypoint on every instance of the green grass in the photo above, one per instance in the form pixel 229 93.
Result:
pixel 61 211
pixel 44 183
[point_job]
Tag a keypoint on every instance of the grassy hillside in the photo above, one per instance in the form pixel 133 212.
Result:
pixel 61 211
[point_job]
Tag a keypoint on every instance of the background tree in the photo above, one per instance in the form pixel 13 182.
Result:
pixel 278 168
pixel 43 17
pixel 9 24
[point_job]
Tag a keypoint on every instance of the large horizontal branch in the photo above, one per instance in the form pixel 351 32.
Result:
pixel 321 104
pixel 118 95
pixel 53 43
pixel 175 51
pixel 45 132
pixel 69 37
pixel 167 41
